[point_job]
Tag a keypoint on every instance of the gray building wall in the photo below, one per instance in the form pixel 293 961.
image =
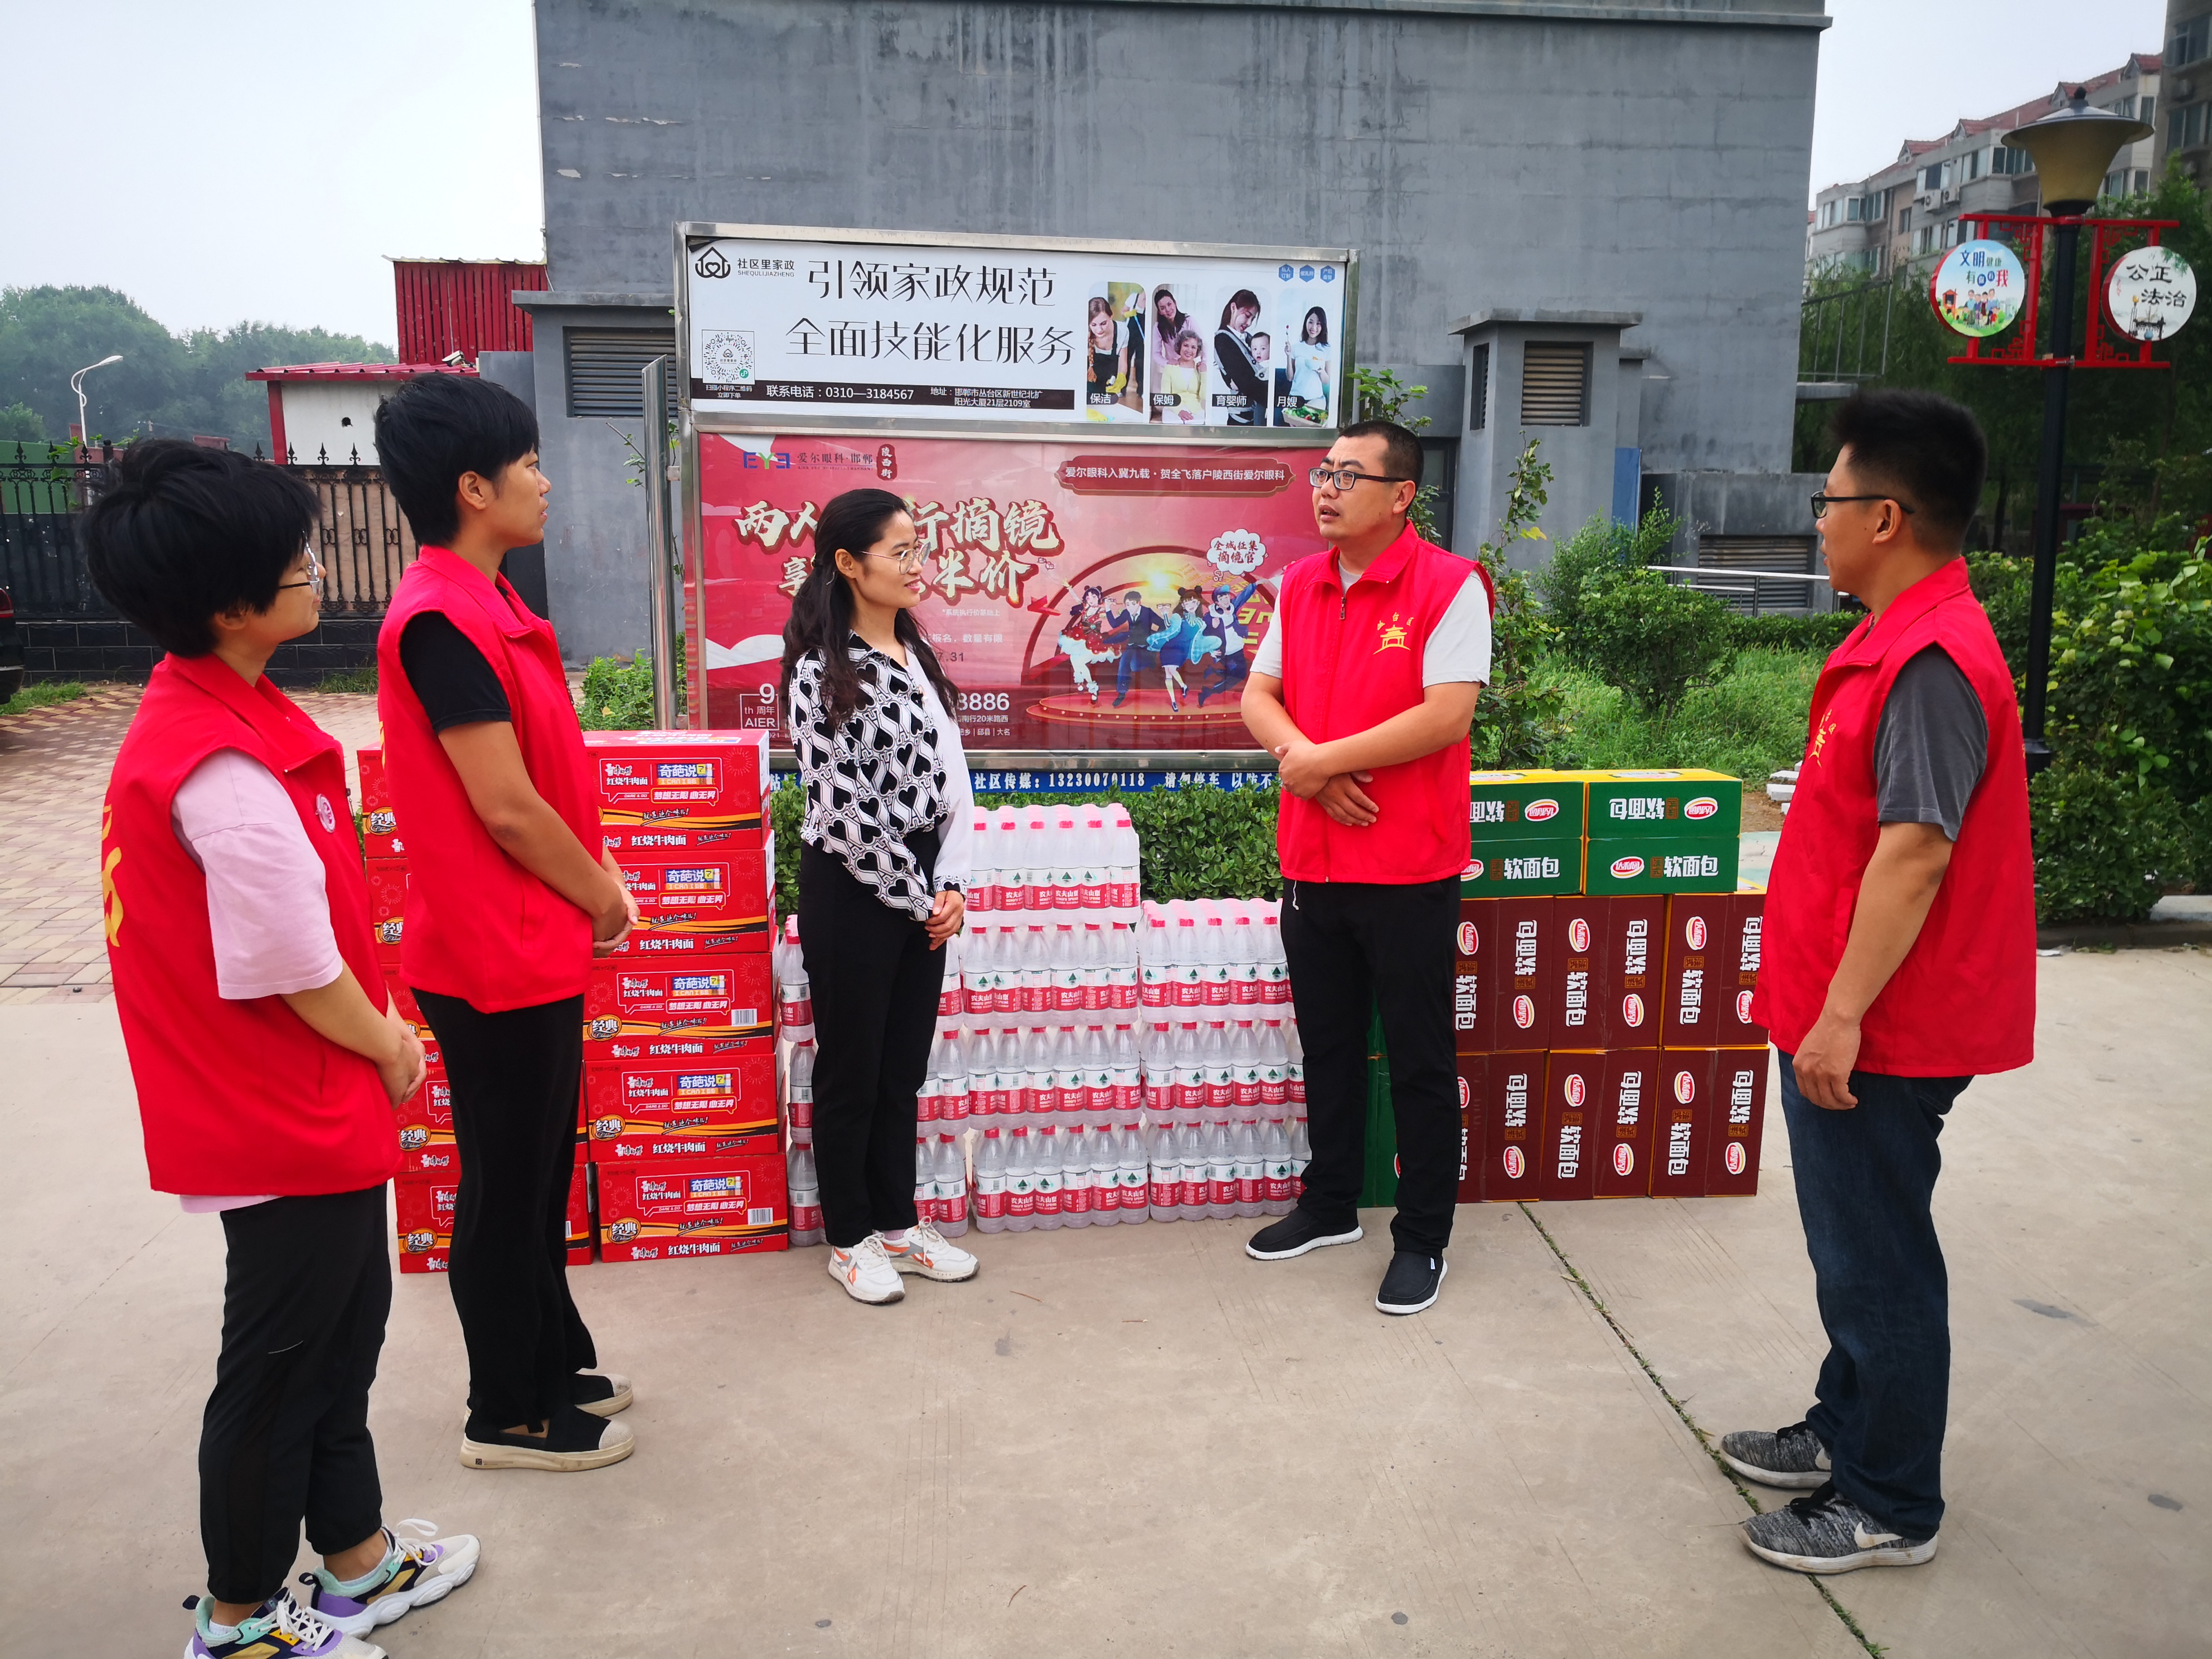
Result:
pixel 1479 154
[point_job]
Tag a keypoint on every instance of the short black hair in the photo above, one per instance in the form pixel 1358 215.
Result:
pixel 179 533
pixel 1924 448
pixel 437 427
pixel 1401 450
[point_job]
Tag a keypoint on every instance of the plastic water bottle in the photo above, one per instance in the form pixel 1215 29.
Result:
pixel 1005 956
pixel 1189 971
pixel 1035 971
pixel 1294 1069
pixel 806 1200
pixel 1193 1190
pixel 1243 1072
pixel 1096 1061
pixel 1156 964
pixel 1213 956
pixel 1127 858
pixel 1275 967
pixel 1251 1170
pixel 1068 1092
pixel 1189 1074
pixel 978 965
pixel 951 997
pixel 991 1183
pixel 1021 1183
pixel 1092 856
pixel 951 1183
pixel 1245 989
pixel 1274 1072
pixel 1164 1197
pixel 1301 1155
pixel 1275 1149
pixel 1098 974
pixel 1040 1093
pixel 1221 1073
pixel 1132 1175
pixel 928 1104
pixel 799 1090
pixel 925 1180
pixel 953 1083
pixel 1121 992
pixel 1220 1174
pixel 1077 1191
pixel 1126 1071
pixel 1051 1180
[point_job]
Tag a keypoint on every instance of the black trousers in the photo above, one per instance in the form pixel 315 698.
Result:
pixel 285 1437
pixel 1351 946
pixel 515 1076
pixel 875 984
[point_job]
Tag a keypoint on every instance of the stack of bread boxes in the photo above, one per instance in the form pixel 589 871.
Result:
pixel 430 1163
pixel 679 1041
pixel 1605 965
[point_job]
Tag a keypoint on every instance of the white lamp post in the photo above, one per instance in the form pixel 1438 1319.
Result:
pixel 76 385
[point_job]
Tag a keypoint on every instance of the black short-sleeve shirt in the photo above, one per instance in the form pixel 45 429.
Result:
pixel 457 685
pixel 1932 744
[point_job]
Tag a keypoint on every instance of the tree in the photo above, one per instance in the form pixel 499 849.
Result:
pixel 166 385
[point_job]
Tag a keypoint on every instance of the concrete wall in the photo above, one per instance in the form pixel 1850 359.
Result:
pixel 1593 155
pixel 596 581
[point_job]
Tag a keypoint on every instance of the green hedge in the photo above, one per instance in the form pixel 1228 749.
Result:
pixel 1822 631
pixel 1198 842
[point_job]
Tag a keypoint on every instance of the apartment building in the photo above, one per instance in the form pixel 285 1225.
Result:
pixel 2187 131
pixel 1910 211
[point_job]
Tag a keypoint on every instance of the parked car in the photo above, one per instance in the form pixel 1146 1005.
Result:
pixel 11 649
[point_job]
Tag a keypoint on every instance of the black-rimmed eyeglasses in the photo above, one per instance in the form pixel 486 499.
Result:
pixel 1344 477
pixel 1822 502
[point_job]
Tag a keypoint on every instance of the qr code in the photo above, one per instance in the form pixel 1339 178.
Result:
pixel 727 356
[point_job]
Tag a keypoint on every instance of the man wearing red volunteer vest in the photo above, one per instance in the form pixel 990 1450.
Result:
pixel 510 893
pixel 1899 964
pixel 1364 690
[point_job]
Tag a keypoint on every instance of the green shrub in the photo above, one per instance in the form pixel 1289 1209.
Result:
pixel 2197 826
pixel 2131 672
pixel 1601 549
pixel 1196 842
pixel 2107 848
pixel 1821 632
pixel 1747 724
pixel 617 696
pixel 1655 641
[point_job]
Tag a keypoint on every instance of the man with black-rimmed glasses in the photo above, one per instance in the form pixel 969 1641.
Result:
pixel 1364 690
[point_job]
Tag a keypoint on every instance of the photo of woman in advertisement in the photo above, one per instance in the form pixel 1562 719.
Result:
pixel 1312 362
pixel 1115 365
pixel 1178 363
pixel 1239 394
pixel 1182 640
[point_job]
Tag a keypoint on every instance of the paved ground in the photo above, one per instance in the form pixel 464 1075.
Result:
pixel 1139 1441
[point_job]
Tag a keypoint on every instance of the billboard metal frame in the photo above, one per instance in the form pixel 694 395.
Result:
pixel 692 426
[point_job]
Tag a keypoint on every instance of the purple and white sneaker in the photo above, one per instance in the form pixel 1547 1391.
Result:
pixel 279 1627
pixel 413 1573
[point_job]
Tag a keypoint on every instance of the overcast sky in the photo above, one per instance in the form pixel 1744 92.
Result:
pixel 261 159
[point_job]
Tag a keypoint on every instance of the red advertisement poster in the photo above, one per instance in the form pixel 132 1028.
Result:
pixel 1082 596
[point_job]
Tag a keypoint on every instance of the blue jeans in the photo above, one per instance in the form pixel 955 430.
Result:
pixel 1865 1178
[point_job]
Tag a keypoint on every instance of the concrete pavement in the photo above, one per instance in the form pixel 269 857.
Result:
pixel 1139 1440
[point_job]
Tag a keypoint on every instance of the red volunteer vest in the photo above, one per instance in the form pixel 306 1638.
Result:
pixel 478 926
pixel 1962 1003
pixel 1351 661
pixel 239 1097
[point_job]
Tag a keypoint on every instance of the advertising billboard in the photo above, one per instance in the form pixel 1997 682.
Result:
pixel 1084 599
pixel 779 322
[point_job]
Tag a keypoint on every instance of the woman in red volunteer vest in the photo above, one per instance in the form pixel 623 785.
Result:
pixel 510 893
pixel 266 1057
pixel 1365 688
pixel 1899 964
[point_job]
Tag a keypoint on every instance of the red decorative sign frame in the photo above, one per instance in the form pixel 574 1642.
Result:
pixel 2105 346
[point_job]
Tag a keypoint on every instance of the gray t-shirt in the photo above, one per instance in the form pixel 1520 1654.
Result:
pixel 1932 744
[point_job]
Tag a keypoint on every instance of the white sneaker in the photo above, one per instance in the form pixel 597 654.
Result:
pixel 927 1251
pixel 865 1272
pixel 416 1572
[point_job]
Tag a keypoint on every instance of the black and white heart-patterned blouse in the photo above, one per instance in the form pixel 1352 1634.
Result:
pixel 895 767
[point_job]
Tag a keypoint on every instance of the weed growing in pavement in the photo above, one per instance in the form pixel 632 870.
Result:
pixel 43 695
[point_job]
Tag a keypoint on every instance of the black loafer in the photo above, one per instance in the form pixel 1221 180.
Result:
pixel 1294 1235
pixel 1412 1283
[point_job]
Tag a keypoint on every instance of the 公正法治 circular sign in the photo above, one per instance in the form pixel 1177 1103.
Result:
pixel 1979 288
pixel 2151 292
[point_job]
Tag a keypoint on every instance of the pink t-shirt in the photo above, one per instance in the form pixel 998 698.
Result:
pixel 267 911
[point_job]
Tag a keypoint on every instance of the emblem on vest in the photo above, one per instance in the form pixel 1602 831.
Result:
pixel 1392 634
pixel 1828 724
pixel 324 815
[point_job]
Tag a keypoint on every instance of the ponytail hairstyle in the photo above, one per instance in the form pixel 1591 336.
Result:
pixel 822 609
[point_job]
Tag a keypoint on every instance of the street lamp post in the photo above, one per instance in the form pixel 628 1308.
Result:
pixel 2071 149
pixel 76 385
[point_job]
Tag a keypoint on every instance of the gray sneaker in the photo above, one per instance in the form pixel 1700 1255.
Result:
pixel 1788 1457
pixel 1825 1532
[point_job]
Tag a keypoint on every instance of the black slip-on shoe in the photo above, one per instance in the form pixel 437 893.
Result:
pixel 1412 1283
pixel 1294 1235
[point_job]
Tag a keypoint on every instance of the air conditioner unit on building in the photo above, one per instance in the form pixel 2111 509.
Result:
pixel 1950 197
pixel 1925 199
